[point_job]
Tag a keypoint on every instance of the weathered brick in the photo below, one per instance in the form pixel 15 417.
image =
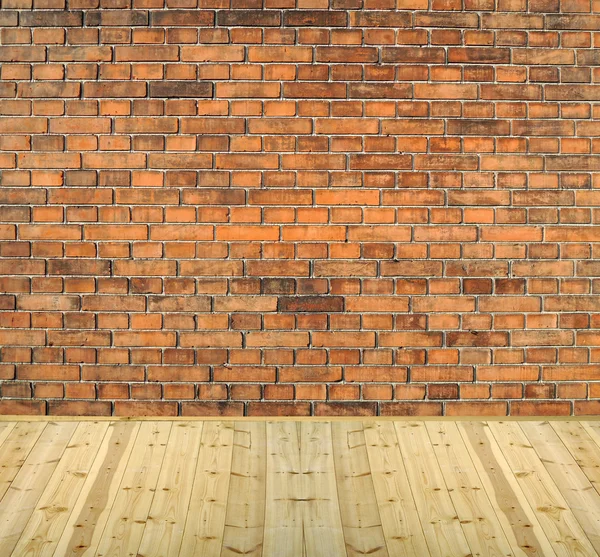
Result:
pixel 250 18
pixel 344 210
pixel 196 18
pixel 41 18
pixel 180 89
pixel 408 55
pixel 108 18
pixel 114 89
pixel 311 304
pixel 49 89
pixel 301 18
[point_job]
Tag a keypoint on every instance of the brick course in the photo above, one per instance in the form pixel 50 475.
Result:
pixel 280 207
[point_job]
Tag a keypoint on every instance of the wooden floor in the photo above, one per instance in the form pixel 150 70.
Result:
pixel 299 489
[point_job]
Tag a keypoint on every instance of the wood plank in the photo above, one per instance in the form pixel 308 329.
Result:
pixel 284 494
pixel 47 522
pixel 584 449
pixel 26 489
pixel 322 522
pixel 478 519
pixel 127 519
pixel 593 430
pixel 5 430
pixel 88 519
pixel 399 519
pixel 574 486
pixel 514 513
pixel 164 529
pixel 361 521
pixel 17 445
pixel 245 515
pixel 559 524
pixel 440 523
pixel 203 534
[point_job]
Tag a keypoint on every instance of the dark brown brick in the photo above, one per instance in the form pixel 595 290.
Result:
pixel 303 18
pixel 311 304
pixel 41 18
pixel 248 18
pixel 181 18
pixel 181 89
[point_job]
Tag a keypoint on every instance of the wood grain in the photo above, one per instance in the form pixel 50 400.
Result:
pixel 307 488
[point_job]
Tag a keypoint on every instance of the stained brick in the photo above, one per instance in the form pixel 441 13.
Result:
pixel 311 304
pixel 249 18
pixel 181 89
pixel 41 18
pixel 301 18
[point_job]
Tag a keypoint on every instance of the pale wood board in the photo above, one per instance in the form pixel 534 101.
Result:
pixel 87 521
pixel 593 429
pixel 441 524
pixel 5 429
pixel 20 500
pixel 359 511
pixel 285 498
pixel 322 523
pixel 573 484
pixel 203 534
pixel 164 528
pixel 583 447
pixel 47 522
pixel 17 444
pixel 245 515
pixel 399 517
pixel 478 519
pixel 560 525
pixel 518 520
pixel 127 519
pixel 306 488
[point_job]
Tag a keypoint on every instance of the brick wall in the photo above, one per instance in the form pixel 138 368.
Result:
pixel 363 207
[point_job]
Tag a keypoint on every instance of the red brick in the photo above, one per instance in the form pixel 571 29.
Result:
pixel 262 207
pixel 145 408
pixel 212 408
pixel 541 408
pixel 345 408
pixel 79 408
pixel 303 18
pixel 476 409
pixel 22 407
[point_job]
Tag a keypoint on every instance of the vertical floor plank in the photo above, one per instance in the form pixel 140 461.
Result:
pixel 399 519
pixel 24 492
pixel 88 519
pixel 361 521
pixel 203 534
pixel 5 430
pixel 164 529
pixel 557 520
pixel 284 495
pixel 245 515
pixel 583 448
pixel 17 445
pixel 440 522
pixel 518 520
pixel 574 486
pixel 127 519
pixel 593 430
pixel 322 522
pixel 47 522
pixel 478 519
